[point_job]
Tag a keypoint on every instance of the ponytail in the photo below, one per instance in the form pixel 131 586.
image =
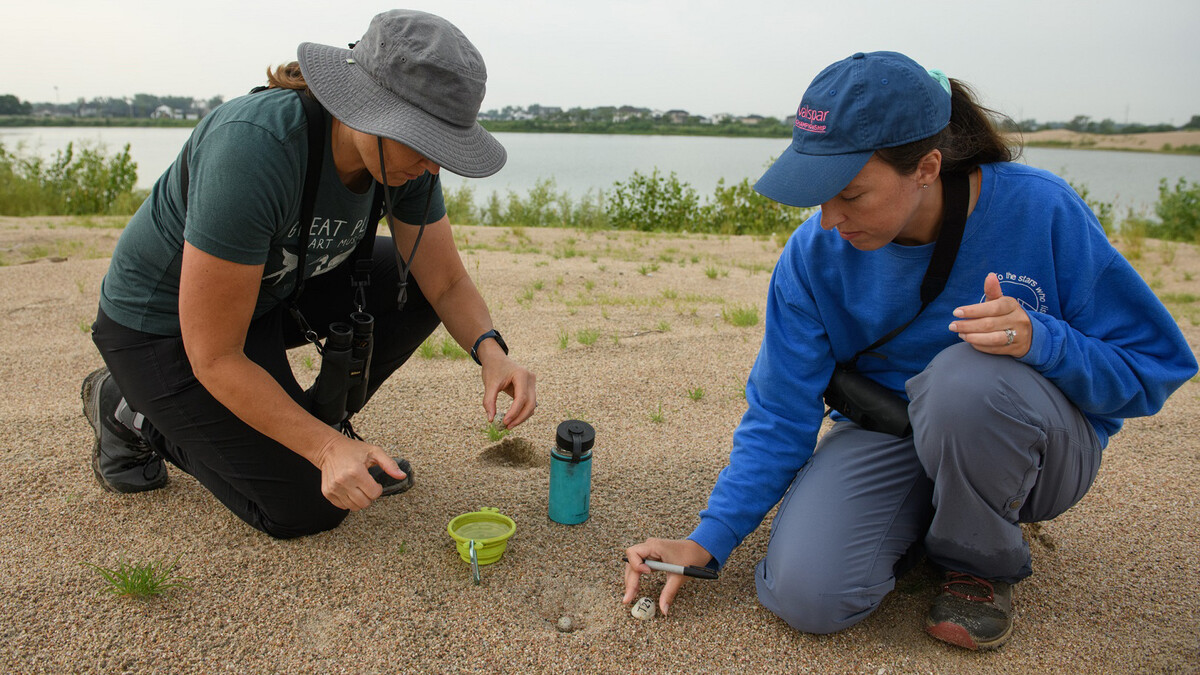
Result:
pixel 971 138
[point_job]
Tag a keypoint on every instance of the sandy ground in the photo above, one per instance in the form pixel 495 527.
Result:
pixel 1114 588
pixel 1152 142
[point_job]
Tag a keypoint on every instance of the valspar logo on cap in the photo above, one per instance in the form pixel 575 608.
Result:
pixel 810 119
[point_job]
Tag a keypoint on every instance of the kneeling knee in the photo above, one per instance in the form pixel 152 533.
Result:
pixel 813 608
pixel 293 525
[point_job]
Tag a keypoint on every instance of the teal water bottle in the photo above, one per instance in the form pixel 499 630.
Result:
pixel 571 472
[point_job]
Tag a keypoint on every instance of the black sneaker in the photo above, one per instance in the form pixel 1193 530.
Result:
pixel 970 612
pixel 121 459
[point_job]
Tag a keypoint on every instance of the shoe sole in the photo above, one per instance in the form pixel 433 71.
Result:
pixel 955 634
pixel 90 394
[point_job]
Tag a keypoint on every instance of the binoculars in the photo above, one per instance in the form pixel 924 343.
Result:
pixel 341 386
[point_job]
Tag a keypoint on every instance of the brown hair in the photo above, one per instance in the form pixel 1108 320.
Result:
pixel 287 76
pixel 970 139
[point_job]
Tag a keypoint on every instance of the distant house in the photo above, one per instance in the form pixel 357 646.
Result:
pixel 166 112
pixel 751 119
pixel 628 112
pixel 676 116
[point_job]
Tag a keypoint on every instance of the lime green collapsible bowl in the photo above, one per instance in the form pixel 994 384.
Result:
pixel 490 530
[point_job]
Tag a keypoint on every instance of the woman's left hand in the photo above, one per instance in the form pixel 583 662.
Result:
pixel 500 373
pixel 998 325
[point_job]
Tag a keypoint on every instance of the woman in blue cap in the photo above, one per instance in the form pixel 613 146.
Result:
pixel 244 249
pixel 978 380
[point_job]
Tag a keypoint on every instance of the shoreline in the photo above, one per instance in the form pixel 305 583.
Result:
pixel 1179 142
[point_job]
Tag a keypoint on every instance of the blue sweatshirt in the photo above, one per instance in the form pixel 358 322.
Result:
pixel 1099 333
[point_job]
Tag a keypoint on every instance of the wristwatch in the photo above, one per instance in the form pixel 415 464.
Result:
pixel 493 334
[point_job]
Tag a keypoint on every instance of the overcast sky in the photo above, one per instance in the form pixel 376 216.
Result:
pixel 1047 59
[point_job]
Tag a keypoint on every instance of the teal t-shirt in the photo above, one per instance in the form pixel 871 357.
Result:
pixel 245 164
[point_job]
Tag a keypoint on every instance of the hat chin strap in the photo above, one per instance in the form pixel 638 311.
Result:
pixel 404 267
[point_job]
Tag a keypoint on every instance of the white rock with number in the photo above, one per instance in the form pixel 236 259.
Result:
pixel 643 609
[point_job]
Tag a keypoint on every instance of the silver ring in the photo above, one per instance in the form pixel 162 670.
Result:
pixel 1011 334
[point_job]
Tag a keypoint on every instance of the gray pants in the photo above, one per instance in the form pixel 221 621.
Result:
pixel 994 444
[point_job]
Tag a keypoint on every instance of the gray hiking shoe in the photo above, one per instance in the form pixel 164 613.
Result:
pixel 121 459
pixel 971 613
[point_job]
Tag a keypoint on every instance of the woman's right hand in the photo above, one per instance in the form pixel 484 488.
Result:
pixel 345 479
pixel 675 551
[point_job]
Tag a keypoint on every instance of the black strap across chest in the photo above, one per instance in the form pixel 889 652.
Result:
pixel 956 191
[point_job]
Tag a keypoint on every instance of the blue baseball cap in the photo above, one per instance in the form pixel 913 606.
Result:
pixel 851 109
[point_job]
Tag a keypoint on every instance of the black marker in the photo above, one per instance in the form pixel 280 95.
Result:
pixel 687 571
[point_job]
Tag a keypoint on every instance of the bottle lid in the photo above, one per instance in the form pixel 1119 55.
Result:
pixel 575 438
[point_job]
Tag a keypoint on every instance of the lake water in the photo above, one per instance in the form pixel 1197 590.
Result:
pixel 581 162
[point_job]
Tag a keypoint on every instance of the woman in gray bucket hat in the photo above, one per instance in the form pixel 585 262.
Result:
pixel 260 238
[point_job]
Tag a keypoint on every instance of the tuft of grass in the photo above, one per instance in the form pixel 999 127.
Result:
pixel 696 394
pixel 740 315
pixel 657 416
pixel 427 350
pixel 664 326
pixel 142 580
pixel 451 350
pixel 711 272
pixel 587 336
pixel 307 361
pixel 494 431
pixel 85 326
pixel 444 347
pixel 563 339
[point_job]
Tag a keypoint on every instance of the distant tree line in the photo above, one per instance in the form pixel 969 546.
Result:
pixel 1087 125
pixel 138 106
pixel 536 117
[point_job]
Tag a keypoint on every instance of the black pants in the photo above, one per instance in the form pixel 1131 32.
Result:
pixel 266 484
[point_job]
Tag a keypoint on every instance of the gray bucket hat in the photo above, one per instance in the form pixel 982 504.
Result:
pixel 413 78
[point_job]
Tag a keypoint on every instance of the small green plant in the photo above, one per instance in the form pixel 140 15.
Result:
pixel 670 293
pixel 587 336
pixel 589 284
pixel 427 350
pixel 563 339
pixel 451 350
pixel 644 270
pixel 711 272
pixel 664 326
pixel 307 361
pixel 142 580
pixel 657 416
pixel 695 394
pixel 740 315
pixel 494 431
pixel 85 326
pixel 402 548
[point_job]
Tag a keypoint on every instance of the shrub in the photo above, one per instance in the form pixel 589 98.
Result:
pixel 1179 212
pixel 654 203
pixel 738 209
pixel 83 182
